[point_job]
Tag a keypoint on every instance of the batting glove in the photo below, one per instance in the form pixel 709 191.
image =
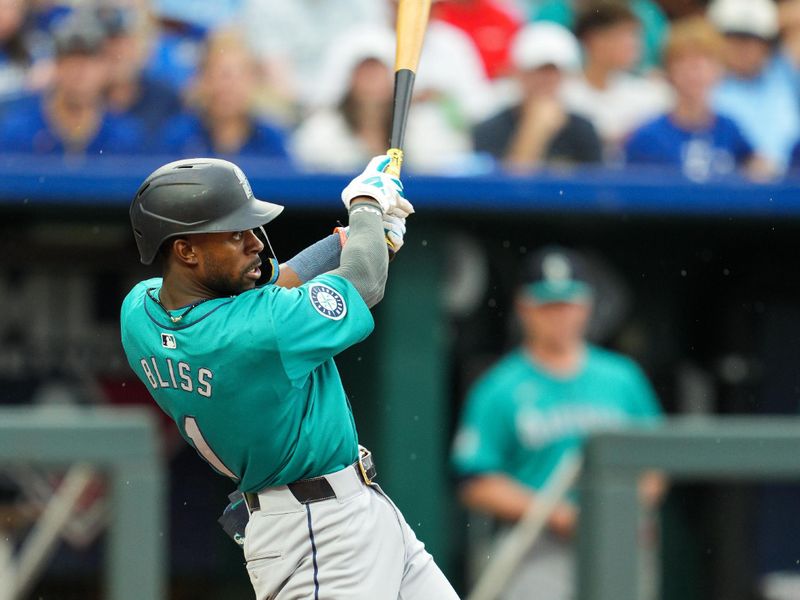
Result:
pixel 394 228
pixel 381 187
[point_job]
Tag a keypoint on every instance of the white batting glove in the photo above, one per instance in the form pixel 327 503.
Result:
pixel 395 229
pixel 380 186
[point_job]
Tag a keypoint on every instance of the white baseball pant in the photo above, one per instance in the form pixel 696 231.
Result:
pixel 356 546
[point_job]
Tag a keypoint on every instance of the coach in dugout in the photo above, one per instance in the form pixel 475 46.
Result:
pixel 536 406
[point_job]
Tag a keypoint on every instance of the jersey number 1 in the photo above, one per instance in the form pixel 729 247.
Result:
pixel 201 445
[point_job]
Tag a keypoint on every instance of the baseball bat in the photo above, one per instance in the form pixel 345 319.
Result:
pixel 412 19
pixel 511 551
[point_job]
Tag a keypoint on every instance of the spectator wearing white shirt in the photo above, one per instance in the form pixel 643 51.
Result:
pixel 450 65
pixel 292 38
pixel 353 121
pixel 615 100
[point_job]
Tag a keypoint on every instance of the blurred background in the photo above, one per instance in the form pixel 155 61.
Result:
pixel 657 138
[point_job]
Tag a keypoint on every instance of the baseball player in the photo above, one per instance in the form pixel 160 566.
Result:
pixel 247 373
pixel 537 405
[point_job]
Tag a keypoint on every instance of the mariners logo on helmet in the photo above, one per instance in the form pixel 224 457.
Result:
pixel 243 180
pixel 327 302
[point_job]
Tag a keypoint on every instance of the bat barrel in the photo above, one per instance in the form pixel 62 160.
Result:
pixel 412 18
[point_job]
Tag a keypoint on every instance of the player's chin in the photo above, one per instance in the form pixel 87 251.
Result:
pixel 247 284
pixel 234 287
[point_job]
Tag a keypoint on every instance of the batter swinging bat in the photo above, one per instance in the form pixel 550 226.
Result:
pixel 412 18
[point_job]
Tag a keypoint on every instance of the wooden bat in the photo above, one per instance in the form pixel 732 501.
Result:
pixel 412 18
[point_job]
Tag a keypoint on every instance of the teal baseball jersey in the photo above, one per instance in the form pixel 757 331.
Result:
pixel 521 420
pixel 250 379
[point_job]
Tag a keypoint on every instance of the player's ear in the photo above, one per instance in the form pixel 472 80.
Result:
pixel 183 251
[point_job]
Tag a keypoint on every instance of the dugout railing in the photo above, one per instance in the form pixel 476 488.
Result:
pixel 705 449
pixel 123 444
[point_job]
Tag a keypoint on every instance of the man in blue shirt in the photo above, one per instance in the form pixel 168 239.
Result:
pixel 223 122
pixel 70 117
pixel 760 90
pixel 130 91
pixel 703 143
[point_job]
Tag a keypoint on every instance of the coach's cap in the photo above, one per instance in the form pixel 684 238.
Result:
pixel 556 274
pixel 756 18
pixel 541 44
pixel 79 33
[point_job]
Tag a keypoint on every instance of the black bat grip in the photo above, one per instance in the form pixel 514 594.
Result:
pixel 403 89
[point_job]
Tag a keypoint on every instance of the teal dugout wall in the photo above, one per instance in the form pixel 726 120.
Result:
pixel 708 449
pixel 124 445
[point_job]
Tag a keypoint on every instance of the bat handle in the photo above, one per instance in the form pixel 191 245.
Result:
pixel 396 156
pixel 393 169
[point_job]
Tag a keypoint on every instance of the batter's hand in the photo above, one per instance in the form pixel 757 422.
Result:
pixel 393 227
pixel 381 187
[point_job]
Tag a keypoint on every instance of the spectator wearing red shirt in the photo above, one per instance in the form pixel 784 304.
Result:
pixel 491 25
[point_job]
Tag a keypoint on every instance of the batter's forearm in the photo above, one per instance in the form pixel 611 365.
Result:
pixel 287 278
pixel 364 260
pixel 320 257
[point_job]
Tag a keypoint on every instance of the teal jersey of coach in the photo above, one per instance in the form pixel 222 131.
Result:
pixel 522 420
pixel 250 379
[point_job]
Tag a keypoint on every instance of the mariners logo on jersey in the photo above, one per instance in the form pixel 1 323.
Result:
pixel 327 301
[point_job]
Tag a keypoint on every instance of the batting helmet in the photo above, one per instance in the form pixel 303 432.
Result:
pixel 195 195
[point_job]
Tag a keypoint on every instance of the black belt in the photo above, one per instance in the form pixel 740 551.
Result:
pixel 317 489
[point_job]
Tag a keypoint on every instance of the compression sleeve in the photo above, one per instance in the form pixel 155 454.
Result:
pixel 364 260
pixel 317 259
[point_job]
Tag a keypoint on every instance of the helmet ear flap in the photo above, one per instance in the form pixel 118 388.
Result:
pixel 274 272
pixel 270 257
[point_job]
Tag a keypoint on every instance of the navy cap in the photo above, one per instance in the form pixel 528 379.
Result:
pixel 79 33
pixel 556 274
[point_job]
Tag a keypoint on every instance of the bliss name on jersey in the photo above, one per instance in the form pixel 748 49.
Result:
pixel 179 376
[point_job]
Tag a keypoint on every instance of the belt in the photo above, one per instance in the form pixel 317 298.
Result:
pixel 318 489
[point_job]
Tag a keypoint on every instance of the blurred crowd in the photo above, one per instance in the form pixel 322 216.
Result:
pixel 708 88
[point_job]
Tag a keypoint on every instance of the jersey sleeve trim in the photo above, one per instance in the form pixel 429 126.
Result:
pixel 339 283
